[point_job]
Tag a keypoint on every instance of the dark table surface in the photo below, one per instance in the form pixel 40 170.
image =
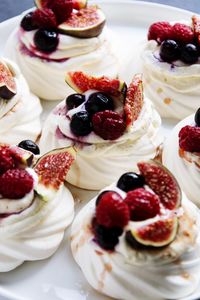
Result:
pixel 10 8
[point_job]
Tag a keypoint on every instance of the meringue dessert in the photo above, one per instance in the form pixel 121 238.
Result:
pixel 35 205
pixel 171 67
pixel 110 126
pixel 183 158
pixel 19 109
pixel 61 36
pixel 138 239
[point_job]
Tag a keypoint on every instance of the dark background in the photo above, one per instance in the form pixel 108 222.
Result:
pixel 10 8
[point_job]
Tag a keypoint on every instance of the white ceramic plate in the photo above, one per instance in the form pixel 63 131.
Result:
pixel 59 278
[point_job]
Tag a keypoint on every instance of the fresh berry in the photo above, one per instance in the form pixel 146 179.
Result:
pixel 27 23
pixel 197 117
pixel 109 125
pixel 62 9
pixel 169 51
pixel 189 138
pixel 100 196
pixel 74 101
pixel 182 33
pixel 107 238
pixel 98 102
pixel 112 211
pixel 6 160
pixel 45 40
pixel 80 124
pixel 30 146
pixel 15 184
pixel 130 181
pixel 142 204
pixel 189 54
pixel 44 18
pixel 160 31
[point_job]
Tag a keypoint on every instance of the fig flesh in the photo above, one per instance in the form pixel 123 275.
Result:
pixel 77 4
pixel 8 87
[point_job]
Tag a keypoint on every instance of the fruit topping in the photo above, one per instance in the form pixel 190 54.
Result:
pixel 6 159
pixel 160 31
pixel 169 50
pixel 182 33
pixel 100 196
pixel 52 168
pixel 8 87
pixel 84 23
pixel 134 100
pixel 80 124
pixel 98 102
pixel 189 138
pixel 112 211
pixel 197 117
pixel 79 4
pixel 44 18
pixel 74 101
pixel 15 183
pixel 162 182
pixel 142 204
pixel 109 125
pixel 27 23
pixel 29 146
pixel 45 40
pixel 130 181
pixel 189 54
pixel 157 234
pixel 62 9
pixel 196 28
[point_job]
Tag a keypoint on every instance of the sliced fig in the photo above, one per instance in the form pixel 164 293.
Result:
pixel 42 3
pixel 8 86
pixel 134 100
pixel 22 156
pixel 162 182
pixel 79 4
pixel 52 169
pixel 86 23
pixel 157 234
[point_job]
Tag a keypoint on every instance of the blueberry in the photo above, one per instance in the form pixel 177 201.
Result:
pixel 107 238
pixel 74 101
pixel 169 51
pixel 80 124
pixel 30 146
pixel 99 102
pixel 100 195
pixel 45 40
pixel 189 54
pixel 26 22
pixel 130 181
pixel 197 117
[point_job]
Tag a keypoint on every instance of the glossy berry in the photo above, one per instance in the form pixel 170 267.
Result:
pixel 6 160
pixel 142 204
pixel 62 9
pixel 109 125
pixel 26 22
pixel 74 101
pixel 130 181
pixel 45 40
pixel 99 102
pixel 197 117
pixel 80 124
pixel 160 31
pixel 182 33
pixel 30 146
pixel 100 196
pixel 112 211
pixel 44 18
pixel 15 184
pixel 189 54
pixel 169 51
pixel 189 138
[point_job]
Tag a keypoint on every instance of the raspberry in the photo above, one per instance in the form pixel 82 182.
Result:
pixel 160 31
pixel 142 204
pixel 112 211
pixel 183 33
pixel 62 9
pixel 15 183
pixel 189 138
pixel 6 160
pixel 44 18
pixel 108 124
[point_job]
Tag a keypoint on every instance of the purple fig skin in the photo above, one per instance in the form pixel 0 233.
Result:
pixel 6 93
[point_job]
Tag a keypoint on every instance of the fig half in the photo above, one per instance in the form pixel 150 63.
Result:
pixel 85 23
pixel 8 87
